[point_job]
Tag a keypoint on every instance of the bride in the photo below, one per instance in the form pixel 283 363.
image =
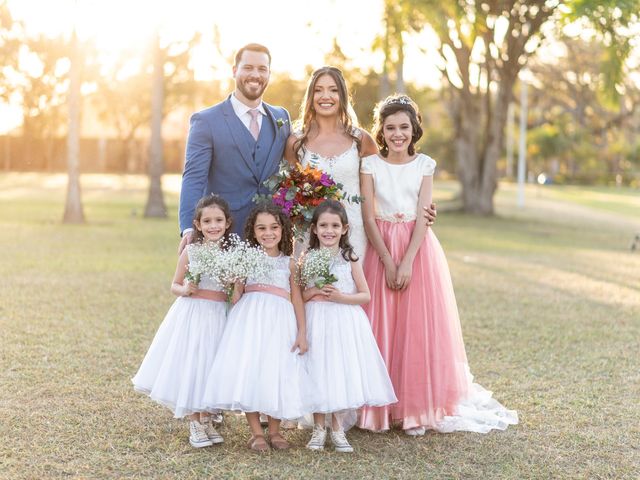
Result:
pixel 328 138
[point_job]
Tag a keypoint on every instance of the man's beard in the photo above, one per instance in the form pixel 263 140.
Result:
pixel 249 93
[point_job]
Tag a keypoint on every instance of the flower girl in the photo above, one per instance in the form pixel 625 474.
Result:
pixel 343 361
pixel 413 310
pixel 258 366
pixel 176 366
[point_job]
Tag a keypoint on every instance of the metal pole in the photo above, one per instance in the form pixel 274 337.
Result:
pixel 510 138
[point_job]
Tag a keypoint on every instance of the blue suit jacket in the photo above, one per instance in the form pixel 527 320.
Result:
pixel 220 160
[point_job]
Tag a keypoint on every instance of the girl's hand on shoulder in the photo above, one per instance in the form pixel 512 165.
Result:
pixel 301 344
pixel 403 275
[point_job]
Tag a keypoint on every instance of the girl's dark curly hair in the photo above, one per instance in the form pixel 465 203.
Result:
pixel 333 206
pixel 394 104
pixel 286 242
pixel 211 200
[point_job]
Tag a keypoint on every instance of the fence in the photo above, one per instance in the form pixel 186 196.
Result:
pixel 97 155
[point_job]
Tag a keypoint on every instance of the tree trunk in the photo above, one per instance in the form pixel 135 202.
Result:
pixel 73 212
pixel 477 156
pixel 467 117
pixel 400 87
pixel 155 202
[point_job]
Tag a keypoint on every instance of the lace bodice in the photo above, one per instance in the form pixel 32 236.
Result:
pixel 341 269
pixel 344 169
pixel 278 276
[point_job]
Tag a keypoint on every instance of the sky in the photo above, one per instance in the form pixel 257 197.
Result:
pixel 298 33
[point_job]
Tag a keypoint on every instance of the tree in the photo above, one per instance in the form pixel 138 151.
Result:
pixel 155 201
pixel 11 34
pixel 123 93
pixel 124 104
pixel 483 47
pixel 73 212
pixel 397 19
pixel 575 131
pixel 37 84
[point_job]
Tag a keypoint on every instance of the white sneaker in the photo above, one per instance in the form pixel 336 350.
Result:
pixel 211 432
pixel 416 431
pixel 198 436
pixel 340 442
pixel 318 437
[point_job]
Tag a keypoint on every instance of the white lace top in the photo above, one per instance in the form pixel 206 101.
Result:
pixel 341 269
pixel 278 277
pixel 397 186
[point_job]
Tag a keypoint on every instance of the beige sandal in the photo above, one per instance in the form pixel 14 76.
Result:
pixel 278 442
pixel 257 443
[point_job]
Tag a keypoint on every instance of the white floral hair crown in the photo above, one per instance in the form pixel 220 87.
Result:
pixel 399 100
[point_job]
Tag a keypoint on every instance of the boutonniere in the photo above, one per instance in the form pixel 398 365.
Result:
pixel 281 122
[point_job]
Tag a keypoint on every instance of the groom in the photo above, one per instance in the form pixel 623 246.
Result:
pixel 234 146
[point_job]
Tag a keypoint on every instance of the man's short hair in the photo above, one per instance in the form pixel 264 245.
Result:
pixel 253 47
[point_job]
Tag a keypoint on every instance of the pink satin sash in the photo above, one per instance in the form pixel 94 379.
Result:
pixel 212 295
pixel 281 292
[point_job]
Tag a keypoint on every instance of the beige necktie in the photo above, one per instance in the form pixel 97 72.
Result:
pixel 254 128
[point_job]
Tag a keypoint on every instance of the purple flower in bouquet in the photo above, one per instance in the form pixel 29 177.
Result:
pixel 326 180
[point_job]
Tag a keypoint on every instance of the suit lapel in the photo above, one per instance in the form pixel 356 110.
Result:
pixel 234 123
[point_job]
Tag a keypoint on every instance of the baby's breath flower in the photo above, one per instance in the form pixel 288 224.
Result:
pixel 227 261
pixel 315 268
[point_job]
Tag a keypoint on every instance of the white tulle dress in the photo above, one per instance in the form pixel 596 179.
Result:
pixel 176 367
pixel 255 369
pixel 343 361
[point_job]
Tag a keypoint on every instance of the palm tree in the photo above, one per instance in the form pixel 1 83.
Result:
pixel 155 202
pixel 73 212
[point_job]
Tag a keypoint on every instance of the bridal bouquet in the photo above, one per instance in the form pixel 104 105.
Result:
pixel 299 190
pixel 227 261
pixel 315 268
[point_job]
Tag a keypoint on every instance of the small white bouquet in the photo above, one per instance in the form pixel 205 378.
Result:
pixel 227 261
pixel 242 260
pixel 204 259
pixel 315 268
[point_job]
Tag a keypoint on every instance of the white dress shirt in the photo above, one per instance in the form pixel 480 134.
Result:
pixel 242 111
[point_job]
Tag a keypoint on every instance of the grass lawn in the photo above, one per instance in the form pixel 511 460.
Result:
pixel 549 298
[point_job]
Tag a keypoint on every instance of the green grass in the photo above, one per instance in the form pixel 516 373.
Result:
pixel 549 298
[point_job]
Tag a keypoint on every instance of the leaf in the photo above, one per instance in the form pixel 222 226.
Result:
pixel 291 194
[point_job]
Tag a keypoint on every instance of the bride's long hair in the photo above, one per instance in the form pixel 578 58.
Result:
pixel 307 115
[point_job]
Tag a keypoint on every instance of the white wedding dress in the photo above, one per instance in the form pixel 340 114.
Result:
pixel 345 169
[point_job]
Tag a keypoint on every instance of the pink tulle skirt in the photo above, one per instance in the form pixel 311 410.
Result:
pixel 418 333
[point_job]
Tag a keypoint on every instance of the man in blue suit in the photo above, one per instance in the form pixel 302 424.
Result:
pixel 234 146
